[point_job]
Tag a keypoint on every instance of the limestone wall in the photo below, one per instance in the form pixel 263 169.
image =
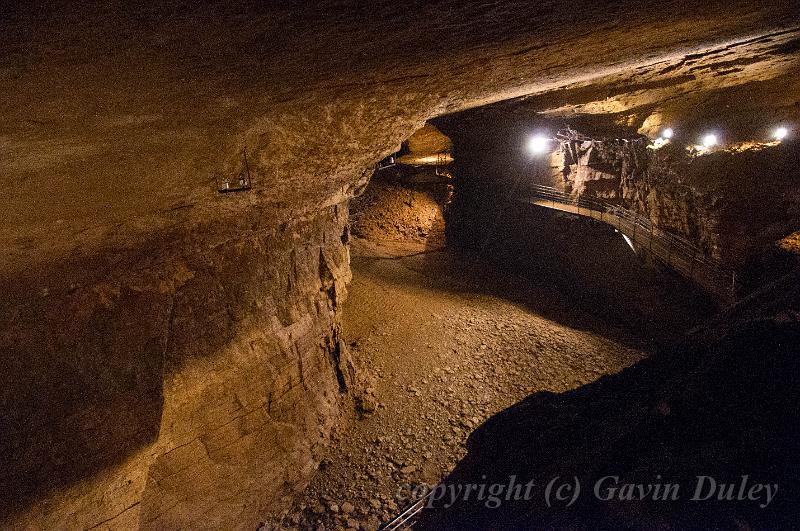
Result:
pixel 188 382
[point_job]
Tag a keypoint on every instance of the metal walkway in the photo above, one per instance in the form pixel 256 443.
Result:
pixel 674 251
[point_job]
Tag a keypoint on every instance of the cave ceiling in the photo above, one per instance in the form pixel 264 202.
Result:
pixel 117 119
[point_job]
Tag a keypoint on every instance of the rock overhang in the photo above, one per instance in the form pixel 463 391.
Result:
pixel 114 122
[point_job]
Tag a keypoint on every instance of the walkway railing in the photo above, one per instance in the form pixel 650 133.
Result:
pixel 674 251
pixel 408 516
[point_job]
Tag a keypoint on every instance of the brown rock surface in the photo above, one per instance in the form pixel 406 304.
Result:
pixel 447 343
pixel 393 214
pixel 165 384
pixel 170 355
pixel 107 130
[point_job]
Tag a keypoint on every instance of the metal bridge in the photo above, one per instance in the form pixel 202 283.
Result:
pixel 674 251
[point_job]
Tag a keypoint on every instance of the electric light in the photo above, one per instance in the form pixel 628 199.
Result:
pixel 539 145
pixel 781 133
pixel 710 140
pixel 668 133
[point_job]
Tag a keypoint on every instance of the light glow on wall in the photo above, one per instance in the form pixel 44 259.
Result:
pixel 781 133
pixel 539 145
pixel 710 140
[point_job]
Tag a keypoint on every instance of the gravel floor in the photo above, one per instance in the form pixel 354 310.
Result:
pixel 439 354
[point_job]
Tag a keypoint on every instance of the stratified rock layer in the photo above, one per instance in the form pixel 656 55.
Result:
pixel 141 396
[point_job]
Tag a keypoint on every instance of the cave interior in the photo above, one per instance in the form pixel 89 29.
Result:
pixel 439 265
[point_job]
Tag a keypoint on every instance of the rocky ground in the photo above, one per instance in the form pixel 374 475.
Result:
pixel 722 404
pixel 441 348
pixel 391 212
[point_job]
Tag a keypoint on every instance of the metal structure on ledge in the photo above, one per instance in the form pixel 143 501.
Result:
pixel 438 160
pixel 388 162
pixel 235 183
pixel 674 251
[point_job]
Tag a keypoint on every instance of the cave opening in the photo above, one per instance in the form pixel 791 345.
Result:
pixel 468 297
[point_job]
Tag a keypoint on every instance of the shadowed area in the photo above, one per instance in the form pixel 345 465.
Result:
pixel 721 405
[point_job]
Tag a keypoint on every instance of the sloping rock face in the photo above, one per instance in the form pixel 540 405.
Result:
pixel 136 396
pixel 661 188
pixel 408 215
pixel 750 195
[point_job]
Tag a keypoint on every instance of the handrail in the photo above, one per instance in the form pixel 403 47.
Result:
pixel 407 516
pixel 676 252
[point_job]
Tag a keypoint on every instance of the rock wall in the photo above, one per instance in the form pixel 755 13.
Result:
pixel 596 168
pixel 653 183
pixel 734 204
pixel 189 382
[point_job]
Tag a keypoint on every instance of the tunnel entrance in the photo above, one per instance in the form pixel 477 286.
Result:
pixel 508 265
pixel 402 209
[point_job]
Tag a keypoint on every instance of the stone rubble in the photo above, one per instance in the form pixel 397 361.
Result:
pixel 470 357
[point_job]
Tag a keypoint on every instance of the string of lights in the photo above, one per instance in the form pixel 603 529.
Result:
pixel 540 144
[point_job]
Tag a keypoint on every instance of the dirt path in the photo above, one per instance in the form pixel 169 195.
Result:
pixel 443 349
